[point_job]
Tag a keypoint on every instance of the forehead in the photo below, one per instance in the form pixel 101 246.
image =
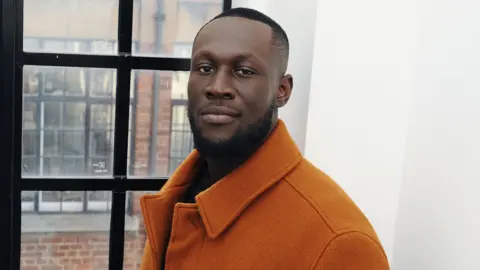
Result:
pixel 233 36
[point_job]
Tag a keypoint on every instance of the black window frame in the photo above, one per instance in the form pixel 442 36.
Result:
pixel 12 61
pixel 89 101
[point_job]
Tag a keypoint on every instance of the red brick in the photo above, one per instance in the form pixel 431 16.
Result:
pixel 89 251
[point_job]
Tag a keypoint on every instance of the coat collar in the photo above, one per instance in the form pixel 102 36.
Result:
pixel 223 202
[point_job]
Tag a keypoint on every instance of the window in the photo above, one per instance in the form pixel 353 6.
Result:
pixel 182 142
pixel 68 131
pixel 182 50
pixel 93 116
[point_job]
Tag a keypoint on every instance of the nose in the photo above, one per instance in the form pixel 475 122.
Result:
pixel 221 87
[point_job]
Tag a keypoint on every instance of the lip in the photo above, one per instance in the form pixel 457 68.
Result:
pixel 219 115
pixel 217 119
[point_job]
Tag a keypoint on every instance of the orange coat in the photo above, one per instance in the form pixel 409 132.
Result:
pixel 277 211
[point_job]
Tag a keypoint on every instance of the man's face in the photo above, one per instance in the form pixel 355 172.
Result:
pixel 232 87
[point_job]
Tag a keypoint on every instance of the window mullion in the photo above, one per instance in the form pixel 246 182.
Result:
pixel 122 105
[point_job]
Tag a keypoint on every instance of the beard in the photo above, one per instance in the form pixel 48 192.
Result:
pixel 243 143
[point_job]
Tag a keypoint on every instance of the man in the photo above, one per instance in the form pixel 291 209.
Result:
pixel 245 198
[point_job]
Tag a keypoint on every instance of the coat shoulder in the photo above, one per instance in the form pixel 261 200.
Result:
pixel 328 200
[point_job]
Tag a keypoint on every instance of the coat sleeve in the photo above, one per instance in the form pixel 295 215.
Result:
pixel 352 251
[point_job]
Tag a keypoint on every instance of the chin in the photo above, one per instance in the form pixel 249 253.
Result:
pixel 216 138
pixel 218 132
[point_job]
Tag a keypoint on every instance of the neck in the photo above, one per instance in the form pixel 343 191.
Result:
pixel 220 167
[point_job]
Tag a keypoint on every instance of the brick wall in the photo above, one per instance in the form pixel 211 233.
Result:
pixel 83 250
pixel 144 109
pixel 164 120
pixel 144 118
pixel 77 251
pixel 143 121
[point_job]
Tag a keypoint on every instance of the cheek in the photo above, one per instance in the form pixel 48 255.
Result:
pixel 190 90
pixel 194 85
pixel 256 112
pixel 259 102
pixel 193 97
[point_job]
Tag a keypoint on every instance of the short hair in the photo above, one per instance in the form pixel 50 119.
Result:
pixel 279 36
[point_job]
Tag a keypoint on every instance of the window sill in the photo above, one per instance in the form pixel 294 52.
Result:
pixel 79 222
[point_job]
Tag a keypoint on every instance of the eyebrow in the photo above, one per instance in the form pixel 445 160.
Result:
pixel 237 58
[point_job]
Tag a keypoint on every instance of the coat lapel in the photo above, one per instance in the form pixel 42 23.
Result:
pixel 158 209
pixel 222 203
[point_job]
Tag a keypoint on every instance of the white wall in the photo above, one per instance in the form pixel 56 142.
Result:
pixel 361 86
pixel 351 93
pixel 299 22
pixel 438 225
pixel 391 110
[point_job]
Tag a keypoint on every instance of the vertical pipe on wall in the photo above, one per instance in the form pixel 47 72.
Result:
pixel 159 18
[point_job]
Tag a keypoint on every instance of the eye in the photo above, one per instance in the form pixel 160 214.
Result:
pixel 205 69
pixel 245 71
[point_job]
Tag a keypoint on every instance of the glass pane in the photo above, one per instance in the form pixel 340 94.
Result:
pixel 51 196
pixel 52 239
pixel 31 44
pixel 74 166
pixel 28 200
pixel 51 143
pixel 99 200
pixel 52 114
pixel 29 166
pixel 61 201
pixel 61 196
pixel 64 128
pixel 169 29
pixel 72 196
pixel 181 142
pixel 74 82
pixel 28 196
pixel 74 143
pixel 130 127
pixel 103 47
pixel 102 116
pixel 171 142
pixel 55 81
pixel 52 166
pixel 135 235
pixel 99 196
pixel 30 143
pixel 101 143
pixel 101 166
pixel 102 82
pixel 30 115
pixel 73 26
pixel 31 81
pixel 75 114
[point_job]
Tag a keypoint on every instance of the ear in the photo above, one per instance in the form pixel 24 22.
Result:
pixel 284 90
